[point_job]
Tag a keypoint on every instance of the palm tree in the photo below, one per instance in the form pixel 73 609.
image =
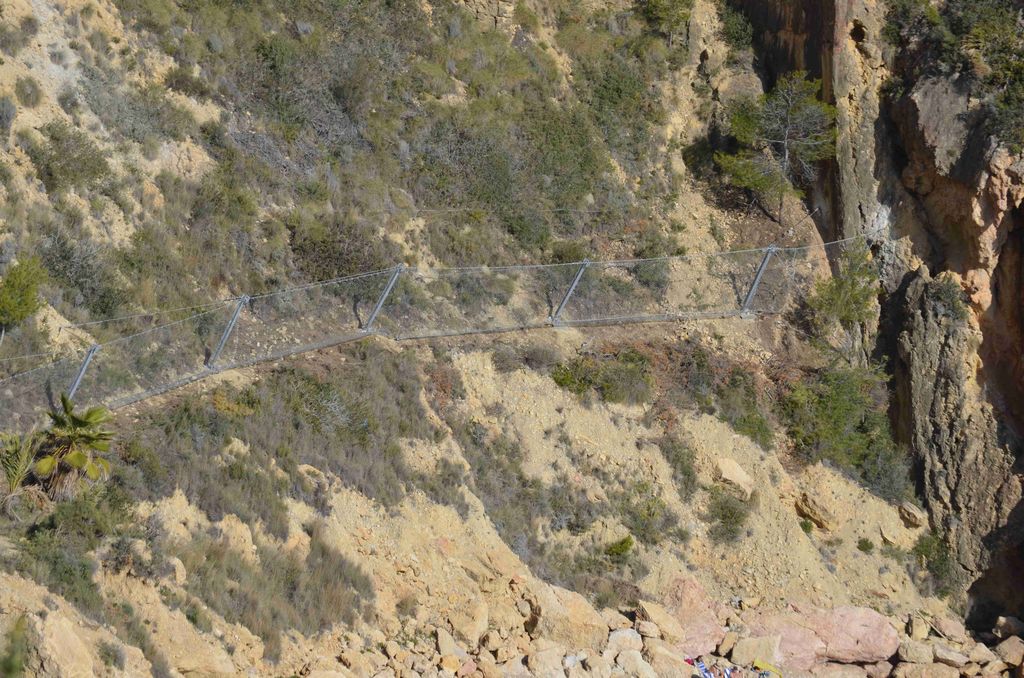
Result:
pixel 72 447
pixel 17 453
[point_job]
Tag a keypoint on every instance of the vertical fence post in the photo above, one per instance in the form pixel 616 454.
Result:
pixel 383 298
pixel 556 318
pixel 215 356
pixel 752 292
pixel 81 370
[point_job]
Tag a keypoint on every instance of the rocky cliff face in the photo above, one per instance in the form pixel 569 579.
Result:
pixel 964 465
pixel 920 168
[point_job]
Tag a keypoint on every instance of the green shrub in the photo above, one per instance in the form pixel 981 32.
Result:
pixel 739 406
pixel 78 264
pixel 865 545
pixel 727 514
pixel 680 458
pixel 8 111
pixel 619 551
pixel 669 17
pixel 848 298
pixel 840 415
pixel 180 79
pixel 16 649
pixel 736 28
pixel 947 297
pixel 624 378
pixel 644 513
pixel 932 552
pixel 28 92
pixel 19 292
pixel 807 526
pixel 67 159
pixel 55 551
pixel 111 655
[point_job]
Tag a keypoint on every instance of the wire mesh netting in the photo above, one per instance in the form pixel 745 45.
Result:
pixel 412 303
pixel 26 397
pixel 462 301
pixel 123 370
pixel 302 319
pixel 662 289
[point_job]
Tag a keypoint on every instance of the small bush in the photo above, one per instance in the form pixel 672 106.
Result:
pixel 14 38
pixel 739 406
pixel 16 649
pixel 8 111
pixel 848 297
pixel 947 297
pixel 620 551
pixel 727 514
pixel 865 545
pixel 56 551
pixel 667 16
pixel 644 513
pixel 736 28
pixel 840 415
pixel 624 378
pixel 181 80
pixel 19 292
pixel 68 159
pixel 680 458
pixel 807 526
pixel 111 655
pixel 83 266
pixel 27 90
pixel 505 358
pixel 932 552
pixel 281 592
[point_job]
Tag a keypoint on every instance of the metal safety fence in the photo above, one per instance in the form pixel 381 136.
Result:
pixel 410 303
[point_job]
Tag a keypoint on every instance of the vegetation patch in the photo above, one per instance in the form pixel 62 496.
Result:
pixel 349 428
pixel 727 515
pixel 980 39
pixel 840 415
pixel 622 378
pixel 680 459
pixel 282 591
pixel 715 384
pixel 67 158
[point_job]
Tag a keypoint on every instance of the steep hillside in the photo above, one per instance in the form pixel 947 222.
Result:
pixel 627 500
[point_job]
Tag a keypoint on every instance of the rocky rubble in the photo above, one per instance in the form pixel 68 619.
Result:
pixel 649 641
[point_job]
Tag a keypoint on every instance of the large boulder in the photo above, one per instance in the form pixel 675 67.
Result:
pixel 699 617
pixel 671 629
pixel 731 473
pixel 925 671
pixel 622 640
pixel 1011 651
pixel 749 650
pixel 567 618
pixel 915 652
pixel 811 637
pixel 856 635
pixel 663 659
pixel 813 510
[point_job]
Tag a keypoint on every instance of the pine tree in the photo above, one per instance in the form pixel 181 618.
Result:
pixel 783 136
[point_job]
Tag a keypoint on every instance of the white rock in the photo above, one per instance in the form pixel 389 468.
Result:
pixel 731 473
pixel 632 662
